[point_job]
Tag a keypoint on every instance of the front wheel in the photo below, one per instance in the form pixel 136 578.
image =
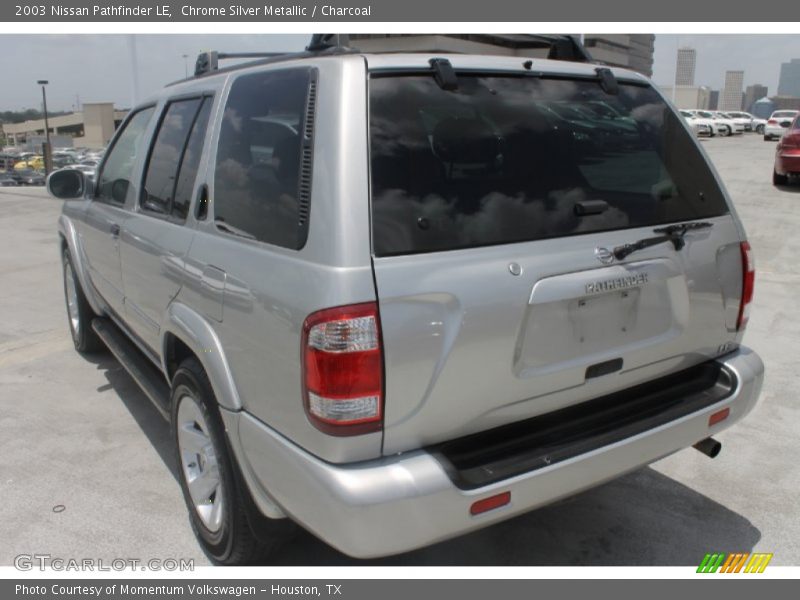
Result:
pixel 214 494
pixel 725 131
pixel 79 313
pixel 759 129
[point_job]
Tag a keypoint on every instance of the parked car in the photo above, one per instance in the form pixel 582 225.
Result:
pixel 432 306
pixel 29 177
pixel 778 123
pixel 701 127
pixel 721 126
pixel 736 125
pixel 787 155
pixel 741 118
pixel 6 180
pixel 35 163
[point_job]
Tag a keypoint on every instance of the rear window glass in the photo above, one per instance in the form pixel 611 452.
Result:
pixel 510 159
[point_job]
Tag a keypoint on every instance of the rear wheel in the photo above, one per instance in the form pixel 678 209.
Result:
pixel 778 179
pixel 214 493
pixel 79 313
pixel 767 138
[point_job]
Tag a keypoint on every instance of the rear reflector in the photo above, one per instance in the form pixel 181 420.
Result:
pixel 748 284
pixel 490 503
pixel 343 369
pixel 719 416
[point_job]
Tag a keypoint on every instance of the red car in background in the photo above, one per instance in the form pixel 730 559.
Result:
pixel 787 155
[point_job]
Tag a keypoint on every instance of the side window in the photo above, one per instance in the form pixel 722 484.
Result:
pixel 263 166
pixel 187 172
pixel 165 157
pixel 114 179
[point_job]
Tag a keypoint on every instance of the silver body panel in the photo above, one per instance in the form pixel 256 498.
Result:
pixel 411 501
pixel 462 333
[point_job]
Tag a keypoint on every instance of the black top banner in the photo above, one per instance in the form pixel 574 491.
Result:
pixel 473 11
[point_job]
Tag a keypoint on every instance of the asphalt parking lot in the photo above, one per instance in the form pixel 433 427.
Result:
pixel 86 468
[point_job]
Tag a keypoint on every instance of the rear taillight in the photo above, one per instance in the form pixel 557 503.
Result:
pixel 343 369
pixel 772 122
pixel 748 283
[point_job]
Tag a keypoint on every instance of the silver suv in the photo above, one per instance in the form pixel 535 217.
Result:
pixel 397 298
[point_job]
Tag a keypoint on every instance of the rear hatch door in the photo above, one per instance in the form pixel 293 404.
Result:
pixel 496 214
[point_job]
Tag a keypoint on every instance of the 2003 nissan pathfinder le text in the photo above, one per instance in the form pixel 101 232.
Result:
pixel 397 298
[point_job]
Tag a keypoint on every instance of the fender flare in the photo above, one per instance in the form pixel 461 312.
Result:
pixel 69 234
pixel 196 332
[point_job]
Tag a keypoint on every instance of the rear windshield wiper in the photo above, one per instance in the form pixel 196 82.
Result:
pixel 671 233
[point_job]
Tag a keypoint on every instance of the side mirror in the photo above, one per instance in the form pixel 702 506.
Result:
pixel 66 184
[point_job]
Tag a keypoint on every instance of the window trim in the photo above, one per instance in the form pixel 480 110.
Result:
pixel 168 216
pixel 111 146
pixel 309 143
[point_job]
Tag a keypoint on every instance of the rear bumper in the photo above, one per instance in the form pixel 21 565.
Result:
pixel 774 131
pixel 400 503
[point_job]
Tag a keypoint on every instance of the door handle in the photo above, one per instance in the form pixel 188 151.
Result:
pixel 114 230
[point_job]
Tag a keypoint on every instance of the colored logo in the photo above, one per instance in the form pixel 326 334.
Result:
pixel 738 562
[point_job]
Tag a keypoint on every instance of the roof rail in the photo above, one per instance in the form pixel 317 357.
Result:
pixel 320 42
pixel 209 61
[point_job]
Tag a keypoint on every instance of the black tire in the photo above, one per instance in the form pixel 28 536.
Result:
pixel 80 321
pixel 779 179
pixel 725 131
pixel 234 542
pixel 767 138
pixel 759 129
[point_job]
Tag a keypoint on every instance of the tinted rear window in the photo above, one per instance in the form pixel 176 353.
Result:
pixel 507 159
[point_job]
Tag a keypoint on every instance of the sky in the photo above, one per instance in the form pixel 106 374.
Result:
pixel 97 68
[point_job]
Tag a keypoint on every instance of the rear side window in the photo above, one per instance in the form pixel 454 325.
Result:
pixel 510 159
pixel 114 180
pixel 173 162
pixel 263 167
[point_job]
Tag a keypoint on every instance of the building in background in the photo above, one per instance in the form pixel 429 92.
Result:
pixel 713 100
pixel 688 96
pixel 731 96
pixel 751 94
pixel 763 108
pixel 630 51
pixel 786 102
pixel 789 82
pixel 684 68
pixel 90 128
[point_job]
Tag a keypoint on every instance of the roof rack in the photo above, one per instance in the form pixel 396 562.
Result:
pixel 561 47
pixel 320 42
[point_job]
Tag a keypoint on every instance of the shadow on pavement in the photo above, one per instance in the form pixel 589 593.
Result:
pixel 139 406
pixel 643 518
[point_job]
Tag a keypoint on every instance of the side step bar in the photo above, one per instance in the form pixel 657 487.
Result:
pixel 143 371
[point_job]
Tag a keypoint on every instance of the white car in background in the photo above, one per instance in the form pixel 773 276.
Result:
pixel 701 127
pixel 722 127
pixel 758 122
pixel 744 118
pixel 726 119
pixel 778 123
